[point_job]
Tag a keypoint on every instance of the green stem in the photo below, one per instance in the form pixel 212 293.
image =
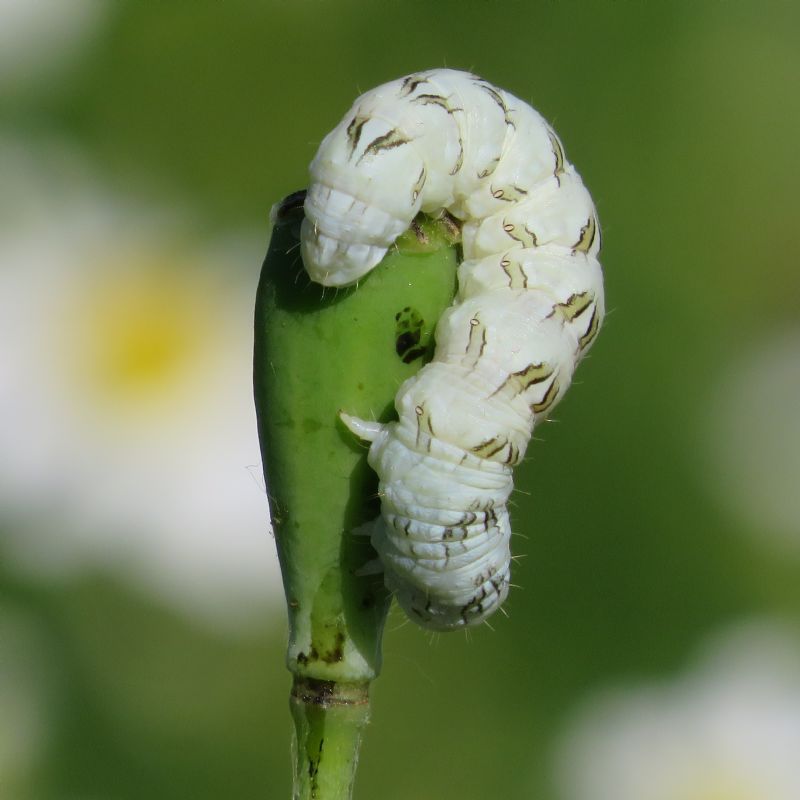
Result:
pixel 318 352
pixel 329 719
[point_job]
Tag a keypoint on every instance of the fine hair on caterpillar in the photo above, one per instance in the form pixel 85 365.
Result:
pixel 529 305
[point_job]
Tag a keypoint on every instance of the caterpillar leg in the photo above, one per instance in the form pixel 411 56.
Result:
pixel 366 529
pixel 364 429
pixel 368 431
pixel 373 567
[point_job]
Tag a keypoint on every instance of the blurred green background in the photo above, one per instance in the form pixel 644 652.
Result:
pixel 142 144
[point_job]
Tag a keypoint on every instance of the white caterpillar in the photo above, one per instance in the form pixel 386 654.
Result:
pixel 529 304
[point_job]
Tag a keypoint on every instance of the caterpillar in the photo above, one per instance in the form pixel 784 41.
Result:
pixel 528 306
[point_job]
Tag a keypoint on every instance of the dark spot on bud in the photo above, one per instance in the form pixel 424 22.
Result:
pixel 409 341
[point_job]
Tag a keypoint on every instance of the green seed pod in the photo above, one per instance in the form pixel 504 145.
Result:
pixel 319 351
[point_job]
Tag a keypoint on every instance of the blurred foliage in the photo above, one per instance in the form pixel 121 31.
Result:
pixel 683 119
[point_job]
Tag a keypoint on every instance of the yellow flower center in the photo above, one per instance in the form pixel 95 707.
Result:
pixel 141 332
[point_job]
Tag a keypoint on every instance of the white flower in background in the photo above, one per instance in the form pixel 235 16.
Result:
pixel 37 37
pixel 729 729
pixel 752 435
pixel 127 430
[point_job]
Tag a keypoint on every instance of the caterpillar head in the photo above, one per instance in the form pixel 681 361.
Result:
pixel 365 189
pixel 331 246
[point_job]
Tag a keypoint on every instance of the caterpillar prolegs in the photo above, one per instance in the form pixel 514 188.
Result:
pixel 528 307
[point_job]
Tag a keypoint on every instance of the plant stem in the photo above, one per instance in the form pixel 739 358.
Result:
pixel 329 719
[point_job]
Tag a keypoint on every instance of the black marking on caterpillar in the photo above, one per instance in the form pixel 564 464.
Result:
pixel 519 382
pixel 517 279
pixel 573 306
pixel 436 100
pixel 418 185
pixel 526 238
pixel 386 141
pixel 496 95
pixel 549 399
pixel 488 170
pixel 508 194
pixel 354 130
pixel 409 84
pixel 591 331
pixel 460 160
pixel 529 305
pixel 558 153
pixel 476 344
pixel 586 238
